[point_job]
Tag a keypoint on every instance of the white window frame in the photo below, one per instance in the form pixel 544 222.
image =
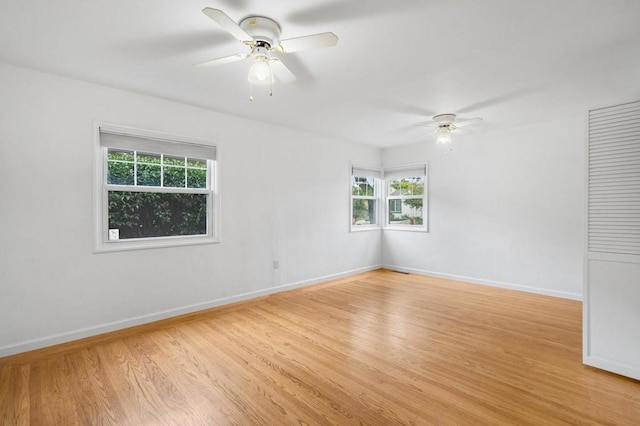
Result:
pixel 101 189
pixel 365 171
pixel 400 171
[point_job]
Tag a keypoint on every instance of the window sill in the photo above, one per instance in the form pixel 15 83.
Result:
pixel 364 228
pixel 153 243
pixel 406 228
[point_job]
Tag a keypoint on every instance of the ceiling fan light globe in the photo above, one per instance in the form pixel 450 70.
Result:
pixel 260 73
pixel 444 137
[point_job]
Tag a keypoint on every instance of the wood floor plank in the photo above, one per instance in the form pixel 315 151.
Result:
pixel 7 391
pixel 219 372
pixel 283 394
pixel 92 389
pixel 363 358
pixel 56 397
pixel 231 377
pixel 286 358
pixel 379 348
pixel 35 390
pixel 348 369
pixel 200 383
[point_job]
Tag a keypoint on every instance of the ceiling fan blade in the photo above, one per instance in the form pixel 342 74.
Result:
pixel 224 60
pixel 281 71
pixel 426 125
pixel 227 24
pixel 467 121
pixel 308 42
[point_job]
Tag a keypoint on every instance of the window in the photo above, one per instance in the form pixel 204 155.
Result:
pixel 405 189
pixel 153 190
pixel 365 194
pixel 395 207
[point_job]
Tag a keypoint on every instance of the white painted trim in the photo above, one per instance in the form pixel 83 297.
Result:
pixel 410 228
pixel 362 228
pixel 425 198
pixel 518 287
pixel 613 366
pixel 81 333
pixel 378 225
pixel 586 315
pixel 101 243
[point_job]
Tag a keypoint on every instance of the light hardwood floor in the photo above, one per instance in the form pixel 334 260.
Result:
pixel 379 348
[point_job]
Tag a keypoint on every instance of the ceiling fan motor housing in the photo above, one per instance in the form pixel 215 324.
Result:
pixel 445 121
pixel 263 30
pixel 444 118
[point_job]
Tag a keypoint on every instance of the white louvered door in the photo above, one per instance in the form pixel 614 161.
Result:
pixel 612 273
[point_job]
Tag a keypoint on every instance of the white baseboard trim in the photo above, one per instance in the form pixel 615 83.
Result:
pixel 81 333
pixel 528 289
pixel 612 366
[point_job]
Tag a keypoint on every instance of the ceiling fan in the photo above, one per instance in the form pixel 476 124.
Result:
pixel 262 36
pixel 445 124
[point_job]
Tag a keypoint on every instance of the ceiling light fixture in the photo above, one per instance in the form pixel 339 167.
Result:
pixel 444 135
pixel 444 127
pixel 262 36
pixel 260 72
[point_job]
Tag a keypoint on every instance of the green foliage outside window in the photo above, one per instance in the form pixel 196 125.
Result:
pixel 157 214
pixel 140 214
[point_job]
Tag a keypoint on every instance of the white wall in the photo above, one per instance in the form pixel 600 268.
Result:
pixel 505 208
pixel 285 196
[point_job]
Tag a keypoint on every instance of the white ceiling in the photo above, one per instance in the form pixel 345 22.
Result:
pixel 397 62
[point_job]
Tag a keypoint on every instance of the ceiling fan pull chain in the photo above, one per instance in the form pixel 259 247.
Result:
pixel 250 92
pixel 270 81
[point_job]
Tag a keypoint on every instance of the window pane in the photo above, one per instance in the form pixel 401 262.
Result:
pixel 120 173
pixel 405 212
pixel 395 187
pixel 119 155
pixel 120 167
pixel 363 186
pixel 148 175
pixel 194 162
pixel 173 161
pixel 196 178
pixel 152 214
pixel 144 157
pixel 364 212
pixel 355 185
pixel 417 185
pixel 174 177
pixel 406 186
